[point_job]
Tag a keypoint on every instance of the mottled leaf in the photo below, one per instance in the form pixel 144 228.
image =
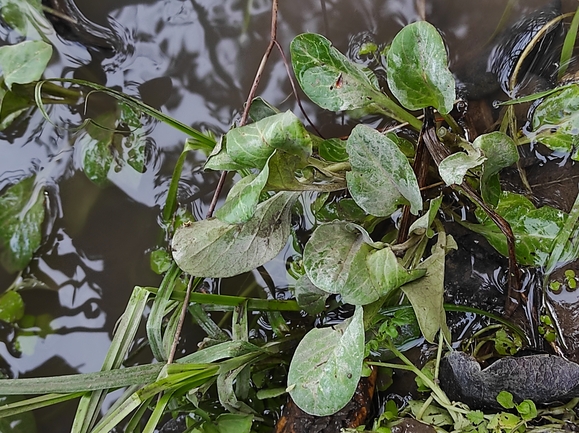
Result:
pixel 326 367
pixel 555 121
pixel 454 167
pixel 333 149
pixel 381 178
pixel 21 217
pixel 310 299
pixel 339 259
pixel 500 152
pixel 418 73
pixel 251 145
pixel 534 229
pixel 212 248
pixel 243 198
pixel 336 83
pixel 24 62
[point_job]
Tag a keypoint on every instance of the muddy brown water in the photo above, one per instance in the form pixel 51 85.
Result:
pixel 195 60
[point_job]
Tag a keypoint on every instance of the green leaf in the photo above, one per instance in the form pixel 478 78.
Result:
pixel 234 423
pixel 418 73
pixel 251 145
pixel 335 83
pixel 338 259
pixel 24 62
pixel 454 167
pixel 260 109
pixel 333 149
pixel 527 409
pixel 427 294
pixel 328 77
pixel 422 225
pixel 381 178
pixel 27 17
pixel 534 229
pixel 243 198
pixel 556 121
pixel 311 299
pixel 326 367
pixel 289 173
pixel 500 152
pixel 505 399
pixel 21 216
pixel 12 106
pixel 11 307
pixel 212 248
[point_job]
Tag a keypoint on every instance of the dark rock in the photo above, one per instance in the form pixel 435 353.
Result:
pixel 541 378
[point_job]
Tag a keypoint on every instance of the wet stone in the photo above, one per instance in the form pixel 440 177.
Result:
pixel 541 378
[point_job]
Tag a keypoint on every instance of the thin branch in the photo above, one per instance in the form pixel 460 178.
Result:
pixel 438 152
pixel 252 92
pixel 294 88
pixel 180 324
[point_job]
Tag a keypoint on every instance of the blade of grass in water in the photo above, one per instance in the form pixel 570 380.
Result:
pixel 568 45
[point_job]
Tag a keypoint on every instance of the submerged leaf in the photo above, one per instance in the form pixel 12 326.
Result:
pixel 381 178
pixel 326 367
pixel 212 248
pixel 338 259
pixel 24 62
pixel 21 216
pixel 11 306
pixel 418 73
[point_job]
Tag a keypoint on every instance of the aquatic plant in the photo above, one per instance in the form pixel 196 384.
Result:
pixel 355 255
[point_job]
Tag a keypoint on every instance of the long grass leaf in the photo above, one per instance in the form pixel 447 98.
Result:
pixel 89 405
pixel 86 382
pixel 568 45
pixel 158 312
pixel 229 302
pixel 35 403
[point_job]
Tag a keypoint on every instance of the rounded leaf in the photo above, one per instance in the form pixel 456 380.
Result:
pixel 418 73
pixel 326 367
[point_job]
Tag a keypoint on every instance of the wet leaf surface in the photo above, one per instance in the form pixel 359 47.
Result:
pixel 326 367
pixel 555 121
pixel 21 217
pixel 454 167
pixel 251 145
pixel 463 380
pixel 212 248
pixel 381 178
pixel 338 260
pixel 534 229
pixel 500 152
pixel 329 78
pixel 418 73
pixel 24 62
pixel 311 299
